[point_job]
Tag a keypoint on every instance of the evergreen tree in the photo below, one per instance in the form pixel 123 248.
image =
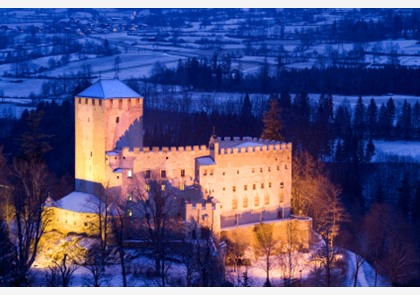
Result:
pixel 372 118
pixel 415 118
pixel 390 113
pixel 404 124
pixel 359 118
pixel 384 124
pixel 370 150
pixel 246 116
pixel 272 124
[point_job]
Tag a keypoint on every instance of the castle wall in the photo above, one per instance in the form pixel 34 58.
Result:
pixel 294 230
pixel 205 214
pixel 66 222
pixel 253 177
pixel 90 144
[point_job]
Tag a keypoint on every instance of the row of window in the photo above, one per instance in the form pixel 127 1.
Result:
pixel 245 202
pixel 210 172
pixel 148 173
pixel 254 186
pixel 112 101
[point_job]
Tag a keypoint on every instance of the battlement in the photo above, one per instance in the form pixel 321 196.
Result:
pixel 126 151
pixel 202 206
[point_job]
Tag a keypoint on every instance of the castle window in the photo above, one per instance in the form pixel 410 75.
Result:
pixel 130 212
pixel 261 169
pixel 204 172
pixel 278 167
pixel 211 171
pixel 80 100
pixel 163 173
pixel 281 184
pixel 223 173
pixel 269 169
pixel 224 189
pixel 253 170
pixel 117 119
pixel 147 174
pixel 234 188
pixel 91 154
pixel 86 224
pixel 120 103
pixel 162 187
pixel 254 186
pixel 245 202
pixel 138 100
pixel 245 187
pixel 130 197
pixel 262 185
pixel 266 200
pixel 256 201
pixel 118 177
pixel 235 203
pixel 182 186
pixel 147 188
pixel 100 102
pixel 93 102
pixel 237 171
pixel 285 166
pixel 182 172
pixel 269 184
pixel 130 173
pixel 86 101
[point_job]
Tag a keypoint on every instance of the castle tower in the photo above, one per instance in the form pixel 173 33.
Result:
pixel 108 116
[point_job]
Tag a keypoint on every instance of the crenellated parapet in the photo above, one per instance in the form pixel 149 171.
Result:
pixel 130 152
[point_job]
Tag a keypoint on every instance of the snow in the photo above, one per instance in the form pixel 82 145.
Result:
pixel 112 88
pixel 399 150
pixel 248 144
pixel 205 161
pixel 79 202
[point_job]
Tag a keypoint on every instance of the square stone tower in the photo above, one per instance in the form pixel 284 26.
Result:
pixel 108 117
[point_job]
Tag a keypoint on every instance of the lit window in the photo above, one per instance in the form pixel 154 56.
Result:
pixel 256 201
pixel 130 173
pixel 182 173
pixel 234 203
pixel 130 212
pixel 245 202
pixel 162 187
pixel 163 173
pixel 267 200
pixel 182 186
pixel 147 174
pixel 147 188
pixel 130 197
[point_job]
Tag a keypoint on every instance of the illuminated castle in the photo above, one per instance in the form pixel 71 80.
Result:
pixel 241 181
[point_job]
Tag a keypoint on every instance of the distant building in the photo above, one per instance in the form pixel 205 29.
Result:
pixel 230 182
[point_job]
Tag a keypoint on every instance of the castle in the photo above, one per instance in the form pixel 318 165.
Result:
pixel 241 181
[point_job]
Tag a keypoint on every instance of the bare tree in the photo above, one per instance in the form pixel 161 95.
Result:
pixel 236 247
pixel 30 215
pixel 266 245
pixel 61 273
pixel 332 214
pixel 156 208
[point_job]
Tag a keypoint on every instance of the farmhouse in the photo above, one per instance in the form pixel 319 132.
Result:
pixel 229 183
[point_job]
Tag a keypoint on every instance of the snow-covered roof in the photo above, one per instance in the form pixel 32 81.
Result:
pixel 249 144
pixel 80 202
pixel 117 170
pixel 205 161
pixel 109 88
pixel 112 153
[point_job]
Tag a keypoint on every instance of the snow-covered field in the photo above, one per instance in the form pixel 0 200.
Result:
pixel 396 150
